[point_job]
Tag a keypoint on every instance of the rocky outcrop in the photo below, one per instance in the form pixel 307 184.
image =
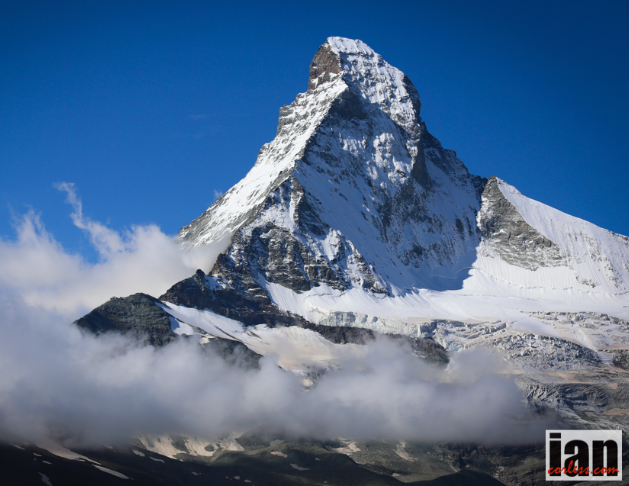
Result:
pixel 233 353
pixel 137 315
pixel 243 301
pixel 325 63
pixel 621 359
pixel 534 352
pixel 510 236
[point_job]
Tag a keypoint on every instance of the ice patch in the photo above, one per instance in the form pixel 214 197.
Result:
pixel 60 451
pixel 45 480
pixel 400 450
pixel 113 473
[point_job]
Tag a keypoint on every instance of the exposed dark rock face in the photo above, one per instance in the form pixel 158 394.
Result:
pixel 252 306
pixel 137 315
pixel 325 62
pixel 245 301
pixel 510 236
pixel 347 106
pixel 423 348
pixel 233 352
pixel 621 359
pixel 343 335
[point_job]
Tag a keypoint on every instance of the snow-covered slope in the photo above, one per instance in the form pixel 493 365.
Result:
pixel 297 349
pixel 530 245
pixel 353 191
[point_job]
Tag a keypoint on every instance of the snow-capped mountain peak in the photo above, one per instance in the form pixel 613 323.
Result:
pixel 368 75
pixel 355 216
pixel 353 191
pixel 345 75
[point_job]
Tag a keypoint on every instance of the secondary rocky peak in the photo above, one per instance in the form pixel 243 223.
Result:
pixel 507 235
pixel 558 251
pixel 137 315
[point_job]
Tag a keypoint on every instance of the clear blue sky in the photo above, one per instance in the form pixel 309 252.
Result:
pixel 150 107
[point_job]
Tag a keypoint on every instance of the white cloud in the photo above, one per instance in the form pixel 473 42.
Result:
pixel 142 259
pixel 57 383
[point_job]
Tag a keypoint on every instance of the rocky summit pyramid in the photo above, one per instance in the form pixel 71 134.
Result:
pixel 355 221
pixel 353 192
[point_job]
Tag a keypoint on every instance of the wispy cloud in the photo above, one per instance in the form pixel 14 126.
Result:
pixel 38 269
pixel 106 241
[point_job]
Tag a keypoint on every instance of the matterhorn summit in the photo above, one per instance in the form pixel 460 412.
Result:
pixel 353 192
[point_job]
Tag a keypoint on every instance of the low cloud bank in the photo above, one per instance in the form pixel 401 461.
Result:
pixel 57 383
pixel 36 267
